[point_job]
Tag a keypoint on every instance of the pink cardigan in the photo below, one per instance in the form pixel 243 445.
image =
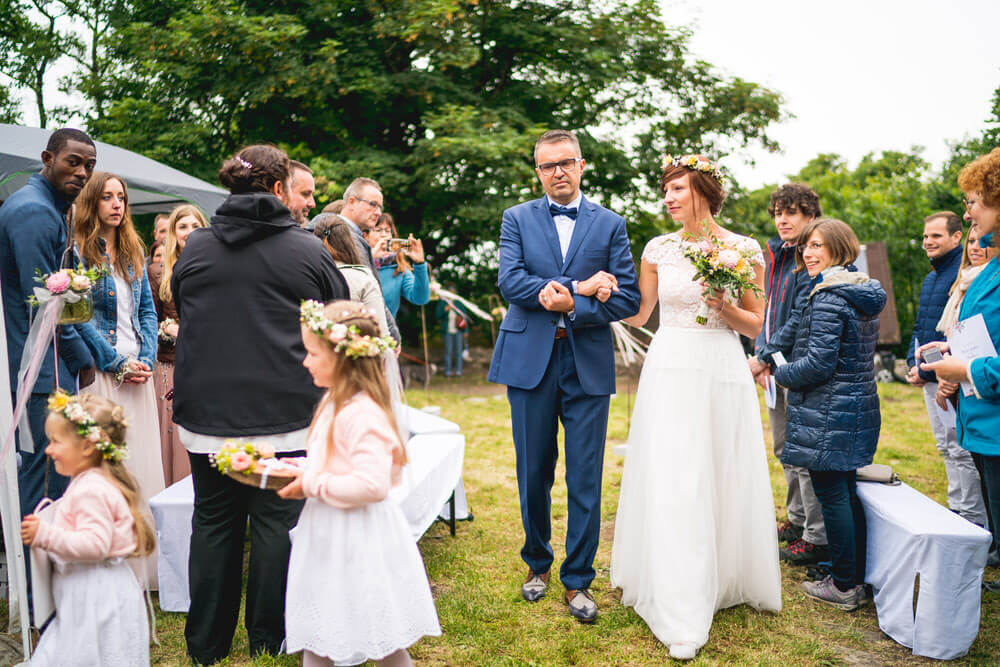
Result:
pixel 90 522
pixel 366 460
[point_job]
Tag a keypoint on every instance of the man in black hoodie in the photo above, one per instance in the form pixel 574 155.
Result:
pixel 239 375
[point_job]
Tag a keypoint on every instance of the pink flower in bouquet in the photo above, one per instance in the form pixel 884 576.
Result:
pixel 729 258
pixel 705 247
pixel 265 451
pixel 240 461
pixel 58 282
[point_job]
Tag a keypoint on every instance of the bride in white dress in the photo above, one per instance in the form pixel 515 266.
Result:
pixel 695 528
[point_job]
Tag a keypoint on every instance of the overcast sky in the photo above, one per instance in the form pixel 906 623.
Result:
pixel 859 75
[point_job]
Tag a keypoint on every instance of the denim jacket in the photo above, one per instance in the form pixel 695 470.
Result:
pixel 101 334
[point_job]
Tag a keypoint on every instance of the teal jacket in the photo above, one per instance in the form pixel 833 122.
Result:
pixel 979 414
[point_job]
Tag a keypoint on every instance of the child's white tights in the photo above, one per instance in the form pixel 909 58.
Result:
pixel 398 659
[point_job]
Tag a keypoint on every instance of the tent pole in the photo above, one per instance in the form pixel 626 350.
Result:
pixel 427 362
pixel 10 511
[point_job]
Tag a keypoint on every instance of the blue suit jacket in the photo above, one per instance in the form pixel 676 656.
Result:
pixel 529 258
pixel 33 236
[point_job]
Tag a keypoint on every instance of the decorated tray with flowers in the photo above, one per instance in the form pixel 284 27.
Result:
pixel 256 465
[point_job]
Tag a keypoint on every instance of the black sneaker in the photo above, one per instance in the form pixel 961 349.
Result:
pixel 801 552
pixel 789 532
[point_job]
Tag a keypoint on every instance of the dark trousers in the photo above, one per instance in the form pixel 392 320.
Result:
pixel 32 469
pixel 846 529
pixel 222 507
pixel 535 414
pixel 989 477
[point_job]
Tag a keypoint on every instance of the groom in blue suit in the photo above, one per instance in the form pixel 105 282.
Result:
pixel 566 269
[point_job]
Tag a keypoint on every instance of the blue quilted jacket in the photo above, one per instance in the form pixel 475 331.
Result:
pixel 833 407
pixel 933 297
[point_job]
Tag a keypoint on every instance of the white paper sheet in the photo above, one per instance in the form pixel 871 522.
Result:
pixel 770 392
pixel 968 340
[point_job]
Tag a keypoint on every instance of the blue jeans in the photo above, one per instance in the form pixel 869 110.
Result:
pixel 453 343
pixel 846 529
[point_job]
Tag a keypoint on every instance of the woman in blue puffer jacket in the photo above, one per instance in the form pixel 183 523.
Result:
pixel 833 407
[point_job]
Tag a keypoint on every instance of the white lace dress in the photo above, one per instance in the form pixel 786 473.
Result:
pixel 695 529
pixel 357 588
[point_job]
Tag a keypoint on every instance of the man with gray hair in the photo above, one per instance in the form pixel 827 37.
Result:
pixel 362 208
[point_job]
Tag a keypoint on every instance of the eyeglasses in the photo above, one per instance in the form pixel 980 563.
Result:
pixel 810 246
pixel 549 168
pixel 969 203
pixel 371 203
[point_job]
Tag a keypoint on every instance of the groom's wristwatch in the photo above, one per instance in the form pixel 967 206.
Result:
pixel 575 283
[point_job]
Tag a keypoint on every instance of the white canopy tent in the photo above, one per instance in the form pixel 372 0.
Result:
pixel 153 187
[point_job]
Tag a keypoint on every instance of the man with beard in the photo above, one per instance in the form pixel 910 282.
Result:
pixel 33 237
pixel 300 192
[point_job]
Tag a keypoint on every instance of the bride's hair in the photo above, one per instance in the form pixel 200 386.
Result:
pixel 703 184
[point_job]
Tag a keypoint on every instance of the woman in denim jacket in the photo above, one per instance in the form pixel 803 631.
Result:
pixel 122 334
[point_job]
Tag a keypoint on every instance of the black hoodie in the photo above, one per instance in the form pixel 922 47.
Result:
pixel 237 287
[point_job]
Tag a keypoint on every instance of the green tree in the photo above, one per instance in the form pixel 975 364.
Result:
pixel 440 100
pixel 10 107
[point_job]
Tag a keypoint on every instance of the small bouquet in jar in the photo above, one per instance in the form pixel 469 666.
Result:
pixel 255 465
pixel 721 266
pixel 73 287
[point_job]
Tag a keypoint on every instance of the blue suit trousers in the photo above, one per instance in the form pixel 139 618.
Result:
pixel 535 414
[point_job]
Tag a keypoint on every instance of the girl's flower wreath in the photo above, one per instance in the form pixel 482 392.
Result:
pixel 86 426
pixel 346 339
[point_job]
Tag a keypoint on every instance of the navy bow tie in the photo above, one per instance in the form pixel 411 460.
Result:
pixel 560 210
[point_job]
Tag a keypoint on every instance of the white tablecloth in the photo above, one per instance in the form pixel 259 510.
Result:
pixel 909 535
pixel 436 450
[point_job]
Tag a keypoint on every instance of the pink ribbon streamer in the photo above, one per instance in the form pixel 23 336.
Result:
pixel 42 332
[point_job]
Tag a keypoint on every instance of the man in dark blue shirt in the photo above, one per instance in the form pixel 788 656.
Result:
pixel 33 235
pixel 943 245
pixel 793 206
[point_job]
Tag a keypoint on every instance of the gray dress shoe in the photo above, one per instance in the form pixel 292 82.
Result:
pixel 534 586
pixel 581 605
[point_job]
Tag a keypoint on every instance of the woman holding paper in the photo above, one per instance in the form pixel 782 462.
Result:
pixel 973 360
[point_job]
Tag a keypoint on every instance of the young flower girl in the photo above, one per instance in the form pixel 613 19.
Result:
pixel 100 617
pixel 357 589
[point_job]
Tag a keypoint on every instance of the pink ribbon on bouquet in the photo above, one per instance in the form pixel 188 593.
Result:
pixel 42 332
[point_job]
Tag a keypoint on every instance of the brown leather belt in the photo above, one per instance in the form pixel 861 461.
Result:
pixel 561 333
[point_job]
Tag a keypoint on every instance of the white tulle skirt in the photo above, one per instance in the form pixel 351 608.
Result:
pixel 100 617
pixel 695 530
pixel 357 588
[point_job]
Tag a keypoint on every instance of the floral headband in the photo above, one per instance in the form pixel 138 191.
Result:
pixel 86 426
pixel 694 163
pixel 346 339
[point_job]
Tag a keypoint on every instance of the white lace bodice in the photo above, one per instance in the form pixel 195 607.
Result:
pixel 679 295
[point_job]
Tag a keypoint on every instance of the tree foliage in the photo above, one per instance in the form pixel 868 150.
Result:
pixel 884 198
pixel 439 100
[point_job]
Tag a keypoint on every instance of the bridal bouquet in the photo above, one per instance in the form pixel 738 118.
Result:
pixel 721 266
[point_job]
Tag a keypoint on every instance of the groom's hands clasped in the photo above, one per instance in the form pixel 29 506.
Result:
pixel 556 298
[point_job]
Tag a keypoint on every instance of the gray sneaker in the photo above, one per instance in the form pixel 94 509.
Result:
pixel 582 605
pixel 534 586
pixel 826 591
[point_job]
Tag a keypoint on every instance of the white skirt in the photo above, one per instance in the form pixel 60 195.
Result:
pixel 357 588
pixel 100 617
pixel 145 460
pixel 695 530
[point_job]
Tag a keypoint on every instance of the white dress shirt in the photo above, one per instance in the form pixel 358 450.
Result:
pixel 564 229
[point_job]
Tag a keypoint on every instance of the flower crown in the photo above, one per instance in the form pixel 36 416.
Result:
pixel 694 163
pixel 346 339
pixel 86 426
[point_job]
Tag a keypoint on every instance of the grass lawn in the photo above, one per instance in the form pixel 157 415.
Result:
pixel 476 577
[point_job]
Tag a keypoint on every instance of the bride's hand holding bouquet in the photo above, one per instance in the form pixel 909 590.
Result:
pixel 721 267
